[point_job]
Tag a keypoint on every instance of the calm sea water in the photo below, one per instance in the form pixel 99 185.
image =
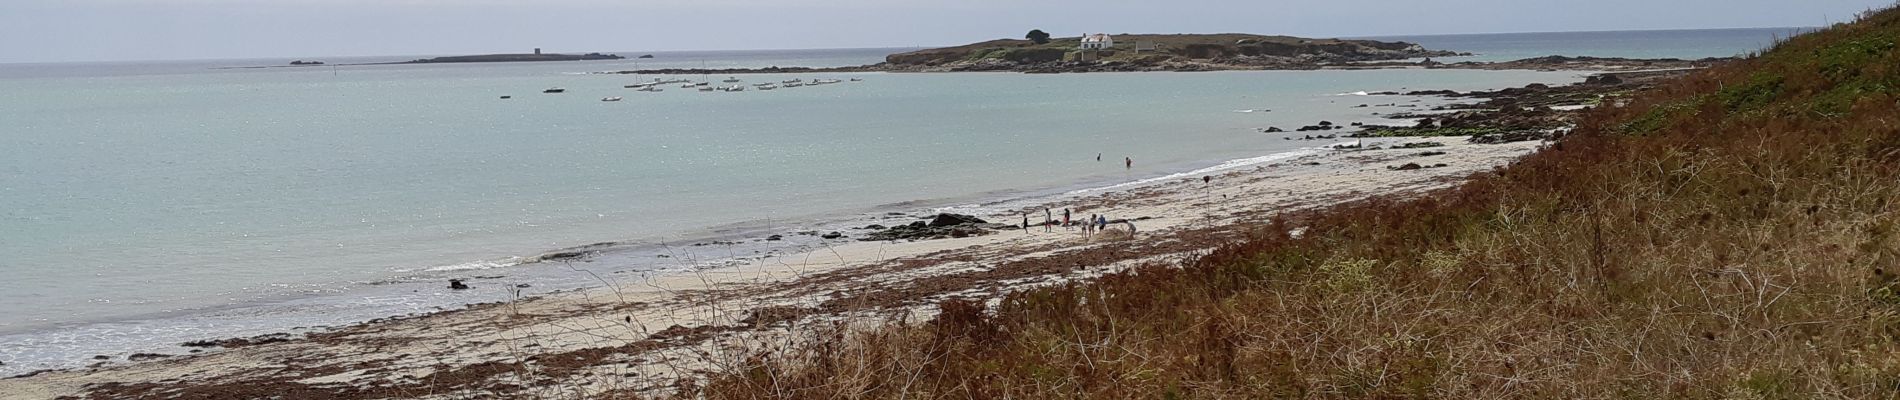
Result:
pixel 145 204
pixel 1684 44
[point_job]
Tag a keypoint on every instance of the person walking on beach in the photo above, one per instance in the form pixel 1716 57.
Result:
pixel 1101 222
pixel 1025 222
pixel 1047 220
pixel 1065 221
pixel 1128 163
pixel 1098 157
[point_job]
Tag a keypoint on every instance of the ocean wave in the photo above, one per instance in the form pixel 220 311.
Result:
pixel 1358 93
pixel 471 266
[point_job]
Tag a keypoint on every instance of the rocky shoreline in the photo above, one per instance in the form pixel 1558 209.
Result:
pixel 1549 63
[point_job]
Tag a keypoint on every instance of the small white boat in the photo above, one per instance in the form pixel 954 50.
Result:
pixel 792 81
pixel 615 98
pixel 857 79
pixel 651 89
pixel 731 80
pixel 708 84
pixel 641 85
pixel 768 87
pixel 705 88
pixel 735 88
pixel 825 81
pixel 687 86
pixel 794 84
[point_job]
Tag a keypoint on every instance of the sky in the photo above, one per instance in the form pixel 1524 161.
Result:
pixel 113 30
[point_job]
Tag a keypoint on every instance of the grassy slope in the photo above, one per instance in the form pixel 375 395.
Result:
pixel 1731 235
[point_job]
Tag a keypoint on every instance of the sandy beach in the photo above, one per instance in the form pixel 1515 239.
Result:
pixel 644 335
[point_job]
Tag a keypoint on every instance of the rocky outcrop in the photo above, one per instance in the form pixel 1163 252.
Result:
pixel 939 226
pixel 1229 47
pixel 948 220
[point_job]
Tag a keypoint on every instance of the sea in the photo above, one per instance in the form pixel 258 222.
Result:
pixel 147 204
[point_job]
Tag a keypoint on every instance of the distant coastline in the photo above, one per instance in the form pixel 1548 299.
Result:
pixel 537 56
pixel 1193 53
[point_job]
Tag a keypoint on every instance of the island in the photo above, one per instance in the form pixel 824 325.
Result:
pixel 1189 53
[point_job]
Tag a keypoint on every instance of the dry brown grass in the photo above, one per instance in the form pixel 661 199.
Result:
pixel 1734 234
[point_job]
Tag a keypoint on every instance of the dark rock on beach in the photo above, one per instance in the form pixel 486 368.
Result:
pixel 233 343
pixel 146 356
pixel 833 235
pixel 939 226
pixel 456 284
pixel 943 220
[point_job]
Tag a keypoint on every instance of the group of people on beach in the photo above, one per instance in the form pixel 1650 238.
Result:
pixel 1094 224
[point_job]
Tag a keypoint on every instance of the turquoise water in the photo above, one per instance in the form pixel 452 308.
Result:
pixel 147 204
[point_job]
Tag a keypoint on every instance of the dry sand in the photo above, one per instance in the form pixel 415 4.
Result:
pixel 642 336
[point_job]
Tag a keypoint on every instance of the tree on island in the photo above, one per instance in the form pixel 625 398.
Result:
pixel 1038 36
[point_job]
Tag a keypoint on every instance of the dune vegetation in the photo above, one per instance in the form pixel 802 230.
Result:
pixel 1731 234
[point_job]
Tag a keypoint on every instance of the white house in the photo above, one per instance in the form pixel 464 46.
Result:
pixel 1097 41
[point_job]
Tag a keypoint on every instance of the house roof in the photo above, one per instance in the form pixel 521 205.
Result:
pixel 1099 37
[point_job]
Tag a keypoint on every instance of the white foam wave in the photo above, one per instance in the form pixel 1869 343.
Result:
pixel 473 265
pixel 1358 93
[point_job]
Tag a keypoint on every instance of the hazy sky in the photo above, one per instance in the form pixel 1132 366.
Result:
pixel 93 30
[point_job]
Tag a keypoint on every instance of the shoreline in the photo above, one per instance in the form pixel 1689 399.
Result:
pixel 716 246
pixel 861 261
pixel 1160 209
